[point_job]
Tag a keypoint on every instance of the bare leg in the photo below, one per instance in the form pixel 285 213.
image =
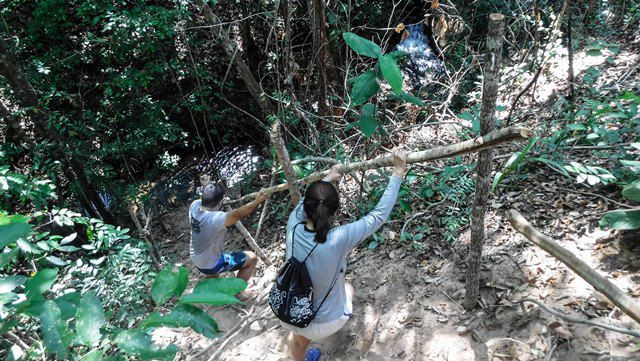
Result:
pixel 246 271
pixel 298 347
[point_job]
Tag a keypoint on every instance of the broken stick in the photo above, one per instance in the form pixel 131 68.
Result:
pixel 601 284
pixel 473 145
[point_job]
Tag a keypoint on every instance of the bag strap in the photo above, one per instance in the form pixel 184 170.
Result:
pixel 293 241
pixel 335 279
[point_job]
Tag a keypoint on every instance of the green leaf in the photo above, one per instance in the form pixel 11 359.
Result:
pixel 372 245
pixel 185 316
pixel 9 283
pixel 215 291
pixel 54 330
pixel 361 45
pixel 367 122
pixel 95 355
pixel 632 191
pixel 621 219
pixel 410 98
pixel 89 319
pixel 183 281
pixel 68 304
pixel 26 246
pixel 138 344
pixel 391 72
pixel 40 282
pixel 634 165
pixel 7 257
pixel 68 239
pixel 12 228
pixel 56 261
pixel 364 87
pixel 165 285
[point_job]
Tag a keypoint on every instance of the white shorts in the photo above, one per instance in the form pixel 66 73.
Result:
pixel 318 331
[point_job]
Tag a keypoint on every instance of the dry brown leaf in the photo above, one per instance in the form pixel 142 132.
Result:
pixel 405 34
pixel 399 27
pixel 562 332
pixel 435 4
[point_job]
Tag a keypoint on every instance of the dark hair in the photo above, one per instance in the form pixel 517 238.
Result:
pixel 211 195
pixel 321 201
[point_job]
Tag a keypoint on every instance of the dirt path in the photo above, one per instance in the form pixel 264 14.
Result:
pixel 407 302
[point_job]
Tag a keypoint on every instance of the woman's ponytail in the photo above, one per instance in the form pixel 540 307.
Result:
pixel 321 202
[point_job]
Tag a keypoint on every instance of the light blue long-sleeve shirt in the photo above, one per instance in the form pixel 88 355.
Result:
pixel 329 260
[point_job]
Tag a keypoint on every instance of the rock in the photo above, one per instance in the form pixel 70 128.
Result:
pixel 462 331
pixel 255 326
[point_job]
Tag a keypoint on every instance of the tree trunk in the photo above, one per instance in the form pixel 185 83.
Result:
pixel 285 162
pixel 15 133
pixel 570 76
pixel 232 50
pixel 14 75
pixel 449 151
pixel 491 84
pixel 320 53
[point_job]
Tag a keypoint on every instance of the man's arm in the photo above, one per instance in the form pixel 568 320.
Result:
pixel 244 211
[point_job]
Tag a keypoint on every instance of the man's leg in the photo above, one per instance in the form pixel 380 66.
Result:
pixel 246 271
pixel 298 347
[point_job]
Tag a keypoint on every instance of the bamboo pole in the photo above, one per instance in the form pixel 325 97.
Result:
pixel 490 140
pixel 601 284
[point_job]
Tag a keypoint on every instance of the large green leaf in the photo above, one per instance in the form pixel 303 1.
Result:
pixel 361 45
pixel 54 330
pixel 391 72
pixel 364 87
pixel 632 191
pixel 89 319
pixel 621 219
pixel 169 283
pixel 138 344
pixel 12 228
pixel 215 291
pixel 40 282
pixel 9 283
pixel 185 316
pixel 367 121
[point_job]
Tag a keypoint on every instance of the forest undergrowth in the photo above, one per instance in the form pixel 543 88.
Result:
pixel 106 133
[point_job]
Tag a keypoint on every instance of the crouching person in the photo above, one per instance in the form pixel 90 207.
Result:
pixel 209 226
pixel 310 295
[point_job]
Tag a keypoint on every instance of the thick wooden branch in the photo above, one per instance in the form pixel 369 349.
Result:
pixel 448 151
pixel 601 284
pixel 285 162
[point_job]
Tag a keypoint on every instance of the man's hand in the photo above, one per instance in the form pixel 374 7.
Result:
pixel 334 173
pixel 400 163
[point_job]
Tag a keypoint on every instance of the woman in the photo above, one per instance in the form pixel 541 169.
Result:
pixel 309 225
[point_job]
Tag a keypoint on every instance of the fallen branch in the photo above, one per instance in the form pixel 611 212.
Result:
pixel 635 333
pixel 473 145
pixel 601 284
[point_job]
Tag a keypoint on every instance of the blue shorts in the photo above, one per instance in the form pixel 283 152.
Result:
pixel 226 263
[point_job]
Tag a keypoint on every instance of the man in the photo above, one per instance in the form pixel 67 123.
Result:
pixel 208 235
